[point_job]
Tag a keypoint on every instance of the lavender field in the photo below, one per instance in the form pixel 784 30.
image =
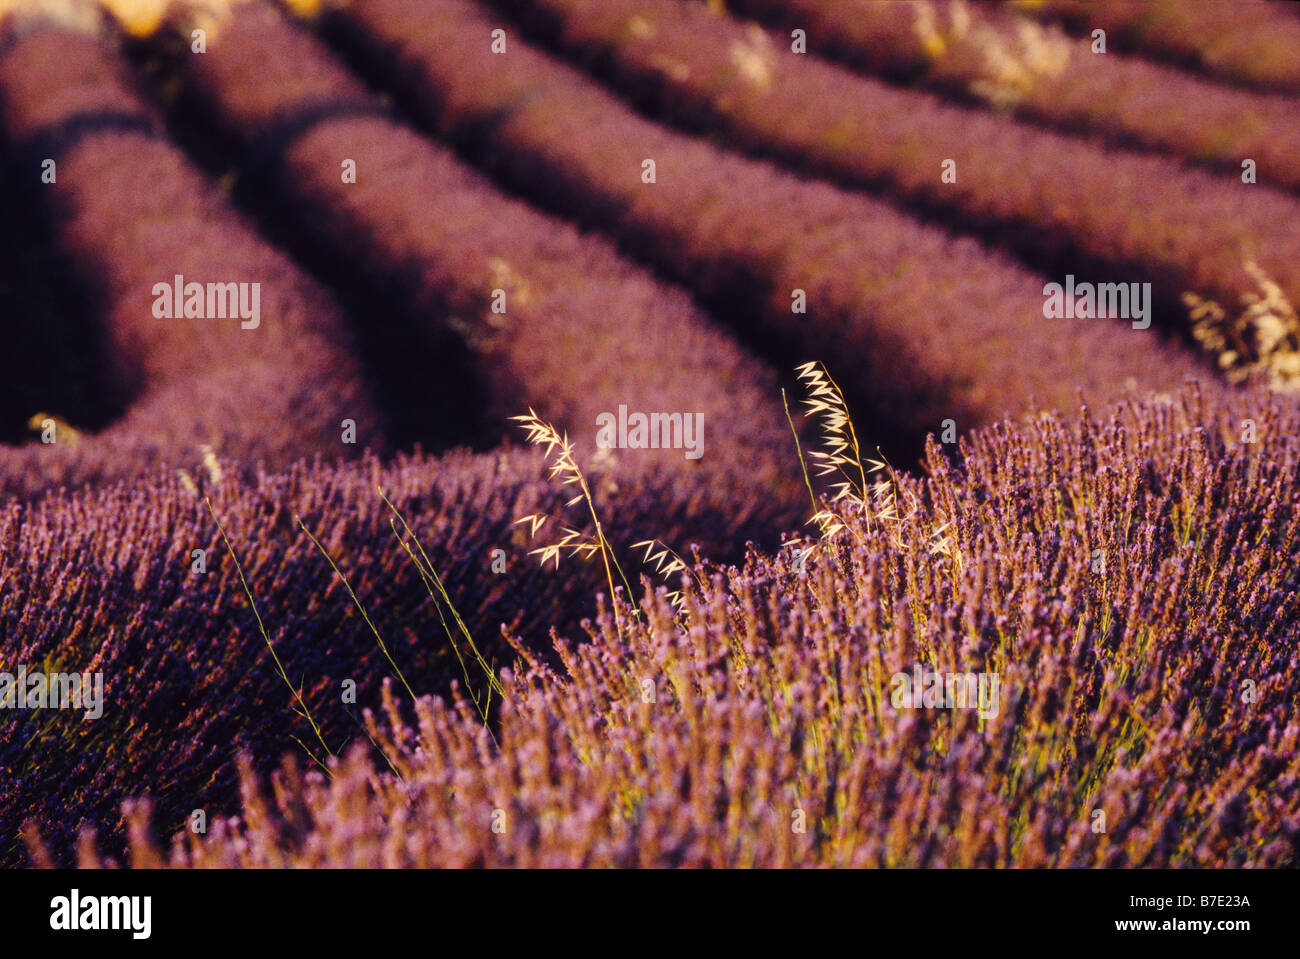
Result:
pixel 649 433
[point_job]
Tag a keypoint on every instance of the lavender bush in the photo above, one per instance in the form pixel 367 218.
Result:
pixel 1146 714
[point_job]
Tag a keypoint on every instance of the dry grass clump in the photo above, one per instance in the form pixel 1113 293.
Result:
pixel 865 492
pixel 1249 42
pixel 1002 67
pixel 564 467
pixel 1263 339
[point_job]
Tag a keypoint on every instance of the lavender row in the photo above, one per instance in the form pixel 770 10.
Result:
pixel 213 337
pixel 1116 600
pixel 929 327
pixel 1056 198
pixel 989 56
